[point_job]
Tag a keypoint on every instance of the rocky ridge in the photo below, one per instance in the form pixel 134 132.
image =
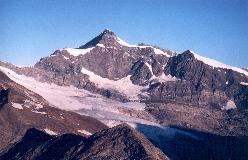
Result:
pixel 120 142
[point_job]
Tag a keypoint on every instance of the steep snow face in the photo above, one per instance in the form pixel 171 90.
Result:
pixel 149 66
pixel 162 77
pixel 218 64
pixel 123 43
pixel 158 51
pixel 77 52
pixel 123 85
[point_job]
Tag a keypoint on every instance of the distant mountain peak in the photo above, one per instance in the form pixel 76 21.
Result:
pixel 106 37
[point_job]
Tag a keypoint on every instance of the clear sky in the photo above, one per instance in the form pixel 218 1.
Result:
pixel 218 29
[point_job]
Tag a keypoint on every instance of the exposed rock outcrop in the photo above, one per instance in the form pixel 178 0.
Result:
pixel 120 142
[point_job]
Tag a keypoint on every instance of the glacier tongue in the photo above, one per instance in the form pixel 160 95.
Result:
pixel 82 101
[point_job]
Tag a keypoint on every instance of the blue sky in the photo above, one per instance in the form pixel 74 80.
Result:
pixel 31 29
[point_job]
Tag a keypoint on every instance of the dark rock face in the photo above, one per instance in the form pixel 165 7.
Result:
pixel 241 97
pixel 120 142
pixel 107 38
pixel 4 97
pixel 204 84
pixel 111 63
pixel 197 145
pixel 140 73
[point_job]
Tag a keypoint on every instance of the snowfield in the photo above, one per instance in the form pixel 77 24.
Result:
pixel 17 105
pixel 157 51
pixel 123 85
pixel 77 52
pixel 48 131
pixel 85 132
pixel 244 83
pixel 78 100
pixel 229 105
pixel 217 64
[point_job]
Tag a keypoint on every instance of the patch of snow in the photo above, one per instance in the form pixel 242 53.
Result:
pixel 28 104
pixel 85 132
pixel 163 78
pixel 149 66
pixel 100 45
pixel 122 42
pixel 38 106
pixel 111 123
pixel 38 112
pixel 217 64
pixel 17 105
pixel 78 52
pixel 126 54
pixel 48 131
pixel 66 58
pixel 158 51
pixel 123 85
pixel 229 105
pixel 244 83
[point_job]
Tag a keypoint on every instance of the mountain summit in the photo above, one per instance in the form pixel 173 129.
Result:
pixel 107 37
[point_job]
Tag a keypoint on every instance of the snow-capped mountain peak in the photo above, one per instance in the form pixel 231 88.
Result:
pixel 108 41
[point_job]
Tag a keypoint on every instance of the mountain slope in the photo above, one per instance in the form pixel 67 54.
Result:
pixel 21 109
pixel 120 142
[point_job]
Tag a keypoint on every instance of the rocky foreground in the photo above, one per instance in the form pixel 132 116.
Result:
pixel 120 142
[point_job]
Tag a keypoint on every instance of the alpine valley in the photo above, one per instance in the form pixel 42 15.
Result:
pixel 108 99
